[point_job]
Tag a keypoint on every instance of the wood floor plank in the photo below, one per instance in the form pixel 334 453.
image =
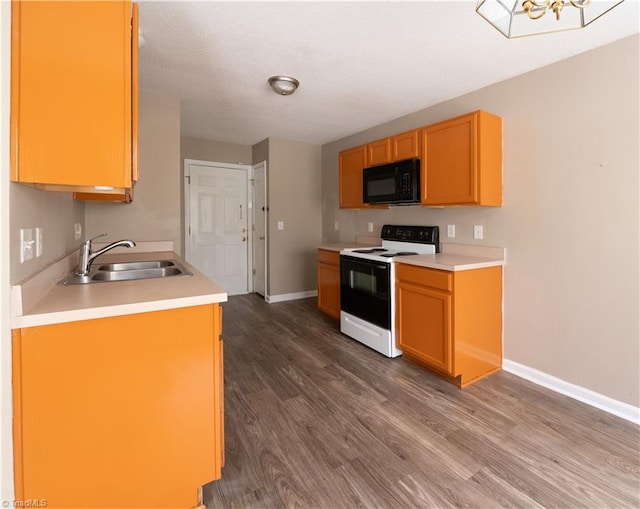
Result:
pixel 316 420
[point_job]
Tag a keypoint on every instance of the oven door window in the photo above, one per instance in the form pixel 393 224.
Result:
pixel 365 290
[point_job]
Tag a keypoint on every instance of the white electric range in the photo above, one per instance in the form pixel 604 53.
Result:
pixel 367 284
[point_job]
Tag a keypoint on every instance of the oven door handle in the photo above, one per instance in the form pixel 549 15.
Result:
pixel 368 263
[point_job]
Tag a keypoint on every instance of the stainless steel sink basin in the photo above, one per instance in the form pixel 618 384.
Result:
pixel 154 264
pixel 129 271
pixel 126 275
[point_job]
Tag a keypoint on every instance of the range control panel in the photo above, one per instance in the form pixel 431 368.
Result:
pixel 411 233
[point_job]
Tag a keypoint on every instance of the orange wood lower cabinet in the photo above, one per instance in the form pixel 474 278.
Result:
pixel 119 412
pixel 451 322
pixel 329 282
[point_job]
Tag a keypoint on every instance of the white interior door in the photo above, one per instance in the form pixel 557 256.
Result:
pixel 217 223
pixel 260 212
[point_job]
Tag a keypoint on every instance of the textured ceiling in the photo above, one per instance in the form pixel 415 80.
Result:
pixel 360 64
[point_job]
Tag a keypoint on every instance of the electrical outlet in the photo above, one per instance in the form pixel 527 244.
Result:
pixel 451 230
pixel 39 246
pixel 77 231
pixel 478 232
pixel 280 225
pixel 26 244
pixel 336 225
pixel 370 227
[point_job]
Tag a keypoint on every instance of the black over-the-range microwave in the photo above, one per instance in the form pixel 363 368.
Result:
pixel 395 183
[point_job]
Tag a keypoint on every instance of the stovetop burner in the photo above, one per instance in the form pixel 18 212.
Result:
pixel 399 253
pixel 372 250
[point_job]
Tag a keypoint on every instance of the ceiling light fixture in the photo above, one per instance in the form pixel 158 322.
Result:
pixel 283 85
pixel 517 18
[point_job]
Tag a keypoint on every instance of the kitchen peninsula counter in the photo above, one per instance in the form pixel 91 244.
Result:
pixel 40 300
pixel 124 368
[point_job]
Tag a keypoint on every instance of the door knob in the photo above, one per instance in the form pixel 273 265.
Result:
pixel 243 230
pixel 261 237
pixel 244 239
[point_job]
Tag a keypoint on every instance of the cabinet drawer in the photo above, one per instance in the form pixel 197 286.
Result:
pixel 434 278
pixel 330 257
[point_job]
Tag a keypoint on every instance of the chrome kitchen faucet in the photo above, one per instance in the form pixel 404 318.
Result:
pixel 87 256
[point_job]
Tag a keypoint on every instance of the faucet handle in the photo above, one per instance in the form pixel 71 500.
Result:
pixel 96 237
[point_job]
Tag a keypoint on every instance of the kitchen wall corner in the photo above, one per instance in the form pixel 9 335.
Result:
pixel 156 209
pixel 294 198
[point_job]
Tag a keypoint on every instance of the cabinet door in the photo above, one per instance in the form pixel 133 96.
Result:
pixel 405 145
pixel 126 195
pixel 71 101
pixel 329 282
pixel 329 289
pixel 379 152
pixel 97 402
pixel 351 164
pixel 449 166
pixel 424 325
pixel 462 161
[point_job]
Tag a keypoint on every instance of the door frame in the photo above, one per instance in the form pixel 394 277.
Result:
pixel 186 208
pixel 266 224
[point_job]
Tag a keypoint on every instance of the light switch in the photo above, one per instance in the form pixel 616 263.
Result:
pixel 39 246
pixel 451 230
pixel 77 231
pixel 336 225
pixel 280 225
pixel 370 227
pixel 26 244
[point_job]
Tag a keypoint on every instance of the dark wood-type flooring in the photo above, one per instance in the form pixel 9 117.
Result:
pixel 317 420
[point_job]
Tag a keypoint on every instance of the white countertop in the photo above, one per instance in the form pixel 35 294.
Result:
pixel 59 304
pixel 451 262
pixel 453 257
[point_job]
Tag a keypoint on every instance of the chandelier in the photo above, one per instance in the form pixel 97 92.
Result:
pixel 518 18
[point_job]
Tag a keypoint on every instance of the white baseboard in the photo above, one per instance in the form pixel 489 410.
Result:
pixel 595 399
pixel 290 296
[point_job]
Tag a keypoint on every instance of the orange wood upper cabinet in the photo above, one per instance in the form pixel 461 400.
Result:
pixel 451 321
pixel 329 282
pixel 405 145
pixel 379 152
pixel 462 161
pixel 132 403
pixel 395 148
pixel 74 95
pixel 351 163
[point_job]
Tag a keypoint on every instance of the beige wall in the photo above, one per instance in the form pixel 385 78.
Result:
pixel 215 151
pixel 294 197
pixel 260 152
pixel 155 211
pixel 570 220
pixel 55 213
